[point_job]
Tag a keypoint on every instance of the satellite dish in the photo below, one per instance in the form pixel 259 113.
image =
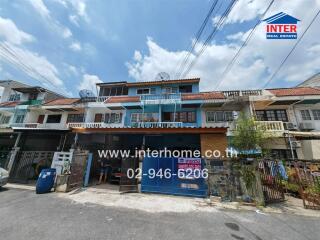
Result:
pixel 162 76
pixel 85 93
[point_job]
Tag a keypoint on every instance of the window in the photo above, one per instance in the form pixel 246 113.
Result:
pixel 113 91
pixel 186 117
pixel 4 119
pixel 14 97
pixel 281 115
pixel 272 115
pixel 75 118
pixel 305 115
pixel 143 91
pixel 33 96
pixel 316 114
pixel 144 117
pixel 113 117
pixel 219 116
pixel 20 118
pixel 228 116
pixel 54 118
pixel 185 89
pixel 170 90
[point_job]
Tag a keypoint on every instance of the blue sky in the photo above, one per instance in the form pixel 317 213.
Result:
pixel 67 45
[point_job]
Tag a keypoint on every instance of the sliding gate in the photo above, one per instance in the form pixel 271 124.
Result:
pixel 177 176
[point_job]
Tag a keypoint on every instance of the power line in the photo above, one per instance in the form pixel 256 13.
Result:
pixel 198 35
pixel 294 47
pixel 211 36
pixel 13 57
pixel 245 43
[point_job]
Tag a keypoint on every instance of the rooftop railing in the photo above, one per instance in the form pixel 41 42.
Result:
pixel 167 98
pixel 241 93
pixel 94 125
pixel 158 124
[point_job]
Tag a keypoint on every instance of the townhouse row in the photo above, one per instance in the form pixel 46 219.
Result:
pixel 156 114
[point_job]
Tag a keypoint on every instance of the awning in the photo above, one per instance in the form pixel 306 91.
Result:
pixel 304 134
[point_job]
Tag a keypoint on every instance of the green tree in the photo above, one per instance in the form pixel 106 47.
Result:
pixel 248 135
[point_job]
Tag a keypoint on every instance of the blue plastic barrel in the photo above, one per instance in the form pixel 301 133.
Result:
pixel 46 180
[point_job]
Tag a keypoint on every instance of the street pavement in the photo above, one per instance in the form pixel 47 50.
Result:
pixel 25 215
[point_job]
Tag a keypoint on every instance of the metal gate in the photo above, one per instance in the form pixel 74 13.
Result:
pixel 309 184
pixel 128 184
pixel 26 162
pixel 272 174
pixel 4 159
pixel 173 184
pixel 77 169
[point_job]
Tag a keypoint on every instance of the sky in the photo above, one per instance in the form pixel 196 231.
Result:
pixel 69 45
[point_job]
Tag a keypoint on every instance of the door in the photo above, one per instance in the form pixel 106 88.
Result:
pixel 98 117
pixel 40 119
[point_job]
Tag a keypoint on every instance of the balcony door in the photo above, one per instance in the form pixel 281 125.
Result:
pixel 40 119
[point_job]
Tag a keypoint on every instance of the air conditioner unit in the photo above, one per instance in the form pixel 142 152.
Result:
pixel 307 126
pixel 296 144
pixel 290 126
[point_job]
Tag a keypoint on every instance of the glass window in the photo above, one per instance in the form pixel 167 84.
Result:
pixel 228 116
pixel 14 97
pixel 260 115
pixel 219 116
pixel 54 118
pixel 191 117
pixel 305 115
pixel 185 89
pixel 20 118
pixel 282 115
pixel 141 91
pixel 4 119
pixel 316 114
pixel 210 116
pixel 75 118
pixel 271 116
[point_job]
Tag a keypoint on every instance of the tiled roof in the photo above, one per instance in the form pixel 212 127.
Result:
pixel 163 82
pixel 203 96
pixel 300 91
pixel 9 104
pixel 62 101
pixel 122 99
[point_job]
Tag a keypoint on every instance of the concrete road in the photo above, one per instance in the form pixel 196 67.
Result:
pixel 25 215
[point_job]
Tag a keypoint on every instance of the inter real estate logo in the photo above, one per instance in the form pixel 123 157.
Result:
pixel 281 26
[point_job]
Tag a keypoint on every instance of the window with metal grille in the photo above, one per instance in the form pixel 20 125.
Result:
pixel 282 115
pixel 316 114
pixel 14 97
pixel 75 118
pixel 54 118
pixel 20 118
pixel 305 115
pixel 219 116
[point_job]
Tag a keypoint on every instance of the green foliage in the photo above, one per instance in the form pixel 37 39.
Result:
pixel 248 175
pixel 315 189
pixel 292 187
pixel 248 135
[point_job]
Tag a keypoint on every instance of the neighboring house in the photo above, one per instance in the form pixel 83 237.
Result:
pixel 170 114
pixel 313 81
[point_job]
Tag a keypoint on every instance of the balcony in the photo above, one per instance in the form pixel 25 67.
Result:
pixel 4 125
pixel 241 93
pixel 158 125
pixel 94 125
pixel 170 98
pixel 53 126
pixel 31 102
pixel 271 126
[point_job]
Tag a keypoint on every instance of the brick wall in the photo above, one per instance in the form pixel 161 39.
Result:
pixel 216 141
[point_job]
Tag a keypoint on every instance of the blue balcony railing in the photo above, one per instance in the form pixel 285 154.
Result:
pixel 169 98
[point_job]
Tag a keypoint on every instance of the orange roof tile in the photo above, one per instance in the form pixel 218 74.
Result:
pixel 9 104
pixel 299 91
pixel 122 99
pixel 62 101
pixel 202 96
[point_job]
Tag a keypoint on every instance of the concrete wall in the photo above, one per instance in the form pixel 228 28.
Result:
pixel 310 149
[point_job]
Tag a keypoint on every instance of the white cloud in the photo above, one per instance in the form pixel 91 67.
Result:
pixel 89 82
pixel 74 19
pixel 10 32
pixel 44 12
pixel 75 46
pixel 34 65
pixel 79 7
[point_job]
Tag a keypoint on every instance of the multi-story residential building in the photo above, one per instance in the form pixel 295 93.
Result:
pixel 170 114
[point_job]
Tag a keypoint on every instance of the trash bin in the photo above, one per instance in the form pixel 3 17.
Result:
pixel 46 180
